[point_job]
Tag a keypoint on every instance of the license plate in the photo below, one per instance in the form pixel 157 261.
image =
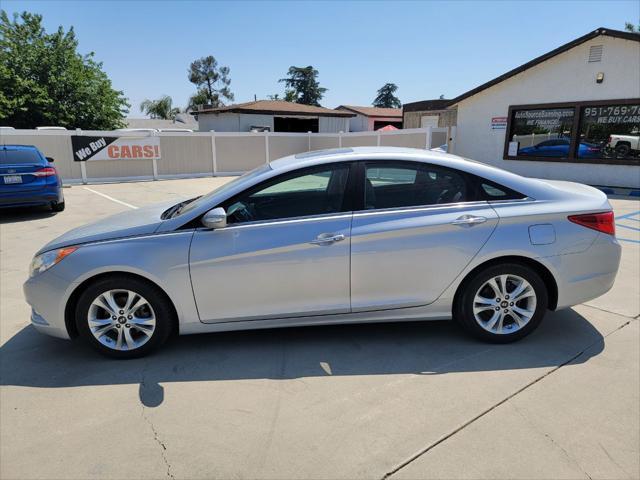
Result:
pixel 12 179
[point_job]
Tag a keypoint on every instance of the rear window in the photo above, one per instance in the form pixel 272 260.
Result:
pixel 19 157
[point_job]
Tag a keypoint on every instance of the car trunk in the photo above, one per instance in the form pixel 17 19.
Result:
pixel 18 172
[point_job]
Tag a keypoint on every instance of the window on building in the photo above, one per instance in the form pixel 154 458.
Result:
pixel 606 132
pixel 544 132
pixel 610 131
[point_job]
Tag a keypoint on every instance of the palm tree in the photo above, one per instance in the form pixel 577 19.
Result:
pixel 160 108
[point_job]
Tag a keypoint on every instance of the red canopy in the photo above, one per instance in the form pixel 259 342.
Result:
pixel 387 128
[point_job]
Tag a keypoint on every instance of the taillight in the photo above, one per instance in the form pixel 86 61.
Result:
pixel 45 172
pixel 602 222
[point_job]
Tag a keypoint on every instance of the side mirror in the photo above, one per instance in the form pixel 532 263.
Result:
pixel 216 218
pixel 50 159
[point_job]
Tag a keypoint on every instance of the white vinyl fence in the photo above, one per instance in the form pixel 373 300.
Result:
pixel 197 154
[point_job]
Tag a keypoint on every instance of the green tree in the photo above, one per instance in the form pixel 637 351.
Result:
pixel 45 81
pixel 212 81
pixel 161 108
pixel 302 86
pixel 386 97
pixel 630 27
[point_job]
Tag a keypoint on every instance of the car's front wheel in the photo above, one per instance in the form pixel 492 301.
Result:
pixel 124 317
pixel 502 303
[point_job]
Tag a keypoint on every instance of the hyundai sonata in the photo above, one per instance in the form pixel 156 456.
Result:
pixel 336 236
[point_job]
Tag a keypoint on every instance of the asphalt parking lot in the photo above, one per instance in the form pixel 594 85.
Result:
pixel 414 400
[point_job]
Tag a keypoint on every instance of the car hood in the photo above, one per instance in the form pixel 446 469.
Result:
pixel 141 221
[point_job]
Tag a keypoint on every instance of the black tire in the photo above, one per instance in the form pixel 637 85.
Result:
pixel 622 150
pixel 156 298
pixel 463 307
pixel 57 206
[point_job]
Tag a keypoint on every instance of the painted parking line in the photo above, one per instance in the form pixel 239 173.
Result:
pixel 629 215
pixel 110 198
pixel 627 226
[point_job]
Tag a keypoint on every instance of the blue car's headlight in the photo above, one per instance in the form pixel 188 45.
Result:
pixel 46 260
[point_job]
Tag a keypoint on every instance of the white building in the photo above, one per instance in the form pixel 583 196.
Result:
pixel 565 115
pixel 368 119
pixel 273 116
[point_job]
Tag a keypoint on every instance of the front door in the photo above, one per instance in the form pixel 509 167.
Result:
pixel 284 253
pixel 419 230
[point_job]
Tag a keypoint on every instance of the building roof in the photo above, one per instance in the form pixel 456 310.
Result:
pixel 426 105
pixel 276 107
pixel 182 121
pixel 373 111
pixel 542 58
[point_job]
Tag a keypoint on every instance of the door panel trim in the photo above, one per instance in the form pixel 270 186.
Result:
pixel 259 223
pixel 421 208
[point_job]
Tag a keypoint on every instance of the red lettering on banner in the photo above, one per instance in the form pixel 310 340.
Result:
pixel 112 151
pixel 148 151
pixel 136 150
pixel 156 148
pixel 125 151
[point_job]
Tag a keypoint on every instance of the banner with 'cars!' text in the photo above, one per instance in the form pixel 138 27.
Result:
pixel 114 148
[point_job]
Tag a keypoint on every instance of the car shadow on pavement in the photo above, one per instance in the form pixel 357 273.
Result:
pixel 420 348
pixel 24 214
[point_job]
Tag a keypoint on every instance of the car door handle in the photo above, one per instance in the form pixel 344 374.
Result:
pixel 468 220
pixel 328 238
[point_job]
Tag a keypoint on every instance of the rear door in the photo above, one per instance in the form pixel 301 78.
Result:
pixel 421 225
pixel 19 170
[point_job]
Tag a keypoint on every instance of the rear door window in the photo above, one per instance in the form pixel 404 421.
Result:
pixel 406 184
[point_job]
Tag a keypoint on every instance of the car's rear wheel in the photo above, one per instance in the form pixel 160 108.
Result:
pixel 124 317
pixel 502 303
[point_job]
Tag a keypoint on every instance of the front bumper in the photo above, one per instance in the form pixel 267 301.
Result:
pixel 47 295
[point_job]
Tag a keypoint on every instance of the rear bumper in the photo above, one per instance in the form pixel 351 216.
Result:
pixel 587 275
pixel 44 196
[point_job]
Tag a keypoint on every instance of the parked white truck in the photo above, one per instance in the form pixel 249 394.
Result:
pixel 624 145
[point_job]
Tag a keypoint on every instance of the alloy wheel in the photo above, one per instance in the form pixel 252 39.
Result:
pixel 504 304
pixel 121 319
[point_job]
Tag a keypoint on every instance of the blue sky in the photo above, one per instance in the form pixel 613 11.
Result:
pixel 426 48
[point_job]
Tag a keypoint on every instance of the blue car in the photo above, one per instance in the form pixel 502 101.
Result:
pixel 27 178
pixel 559 147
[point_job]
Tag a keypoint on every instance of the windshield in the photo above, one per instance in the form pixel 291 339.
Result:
pixel 256 172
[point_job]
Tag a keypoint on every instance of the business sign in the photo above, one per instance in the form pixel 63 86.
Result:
pixel 114 148
pixel 545 118
pixel 498 123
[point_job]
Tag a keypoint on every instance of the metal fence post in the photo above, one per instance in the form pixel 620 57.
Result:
pixel 214 159
pixel 429 137
pixel 266 147
pixel 154 160
pixel 83 165
pixel 309 139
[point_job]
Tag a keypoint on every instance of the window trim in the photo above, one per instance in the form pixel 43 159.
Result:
pixel 578 107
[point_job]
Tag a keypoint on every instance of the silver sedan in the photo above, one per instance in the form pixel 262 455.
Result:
pixel 336 236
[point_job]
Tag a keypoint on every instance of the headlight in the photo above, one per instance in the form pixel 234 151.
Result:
pixel 45 261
